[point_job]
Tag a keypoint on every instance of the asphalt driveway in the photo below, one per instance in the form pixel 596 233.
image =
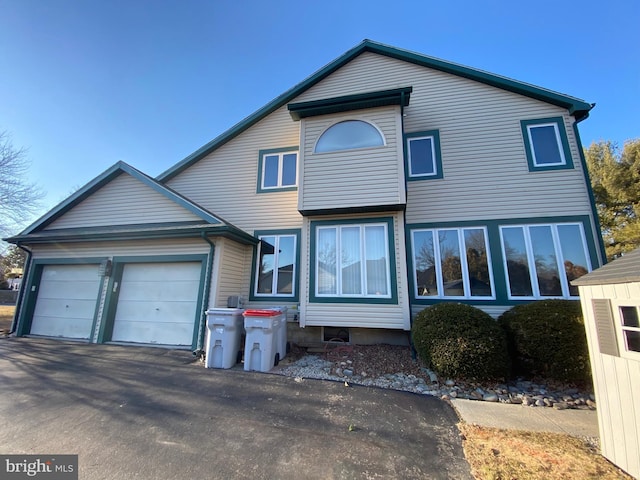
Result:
pixel 152 413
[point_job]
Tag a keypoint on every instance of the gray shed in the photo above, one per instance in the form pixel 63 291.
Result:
pixel 610 298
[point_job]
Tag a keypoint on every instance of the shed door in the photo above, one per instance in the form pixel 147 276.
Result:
pixel 66 302
pixel 157 303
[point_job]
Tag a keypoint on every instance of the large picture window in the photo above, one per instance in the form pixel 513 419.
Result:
pixel 352 260
pixel 278 170
pixel 542 260
pixel 451 263
pixel 276 266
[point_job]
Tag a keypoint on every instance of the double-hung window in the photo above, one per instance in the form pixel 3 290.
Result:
pixel 451 263
pixel 353 260
pixel 278 170
pixel 546 144
pixel 276 264
pixel 423 160
pixel 542 260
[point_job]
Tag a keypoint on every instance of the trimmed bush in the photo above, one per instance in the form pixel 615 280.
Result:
pixel 461 341
pixel 547 339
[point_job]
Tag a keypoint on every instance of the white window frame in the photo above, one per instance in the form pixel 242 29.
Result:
pixel 345 120
pixel 280 156
pixel 535 288
pixel 363 271
pixel 563 161
pixel 463 262
pixel 620 328
pixel 434 160
pixel 274 280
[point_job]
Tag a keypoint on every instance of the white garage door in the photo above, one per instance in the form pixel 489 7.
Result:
pixel 157 303
pixel 66 301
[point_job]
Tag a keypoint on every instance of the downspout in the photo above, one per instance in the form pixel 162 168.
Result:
pixel 207 291
pixel 406 234
pixel 23 285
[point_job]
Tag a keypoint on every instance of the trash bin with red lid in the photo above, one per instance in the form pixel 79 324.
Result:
pixel 260 346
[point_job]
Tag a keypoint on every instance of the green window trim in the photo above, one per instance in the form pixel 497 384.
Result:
pixel 502 294
pixel 391 298
pixel 279 153
pixel 562 142
pixel 467 260
pixel 434 137
pixel 263 297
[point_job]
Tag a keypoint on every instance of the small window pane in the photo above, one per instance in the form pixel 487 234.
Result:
pixel 545 145
pixel 270 178
pixel 265 267
pixel 286 264
pixel 421 158
pixel 517 264
pixel 450 263
pixel 425 264
pixel 629 317
pixel 633 340
pixel 574 254
pixel 347 135
pixel 289 161
pixel 376 260
pixel 327 261
pixel 477 263
pixel 546 261
pixel 351 261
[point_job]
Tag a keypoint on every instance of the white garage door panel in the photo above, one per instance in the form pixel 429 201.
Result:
pixel 66 302
pixel 157 303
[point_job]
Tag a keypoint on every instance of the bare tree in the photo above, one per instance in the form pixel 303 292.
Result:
pixel 19 199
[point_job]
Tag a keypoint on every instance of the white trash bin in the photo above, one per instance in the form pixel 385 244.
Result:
pixel 261 344
pixel 224 329
pixel 281 341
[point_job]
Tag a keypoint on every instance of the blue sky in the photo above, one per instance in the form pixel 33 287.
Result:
pixel 84 84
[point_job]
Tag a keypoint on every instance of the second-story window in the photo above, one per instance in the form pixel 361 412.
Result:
pixel 278 169
pixel 348 135
pixel 423 159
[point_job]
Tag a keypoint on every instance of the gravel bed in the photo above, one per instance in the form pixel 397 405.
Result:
pixel 388 366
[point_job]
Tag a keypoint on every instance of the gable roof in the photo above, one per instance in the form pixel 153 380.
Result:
pixel 621 270
pixel 209 220
pixel 576 107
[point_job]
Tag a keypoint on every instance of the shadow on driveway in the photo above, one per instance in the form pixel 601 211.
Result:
pixel 151 413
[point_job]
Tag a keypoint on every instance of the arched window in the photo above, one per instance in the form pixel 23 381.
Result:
pixel 347 135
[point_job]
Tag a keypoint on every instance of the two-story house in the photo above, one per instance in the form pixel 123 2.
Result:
pixel 385 182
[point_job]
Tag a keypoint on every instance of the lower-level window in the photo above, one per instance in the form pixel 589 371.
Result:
pixel 352 260
pixel 276 266
pixel 542 260
pixel 451 263
pixel 630 328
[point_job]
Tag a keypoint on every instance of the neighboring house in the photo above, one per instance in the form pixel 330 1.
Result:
pixel 385 182
pixel 610 299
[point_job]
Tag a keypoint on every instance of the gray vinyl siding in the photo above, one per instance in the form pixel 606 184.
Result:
pixel 225 181
pixel 355 314
pixel 353 178
pixel 123 201
pixel 616 381
pixel 483 156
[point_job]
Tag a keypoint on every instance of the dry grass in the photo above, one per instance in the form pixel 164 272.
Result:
pixel 496 454
pixel 6 317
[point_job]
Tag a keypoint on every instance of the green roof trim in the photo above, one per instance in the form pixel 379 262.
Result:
pixel 576 107
pixel 398 96
pixel 103 179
